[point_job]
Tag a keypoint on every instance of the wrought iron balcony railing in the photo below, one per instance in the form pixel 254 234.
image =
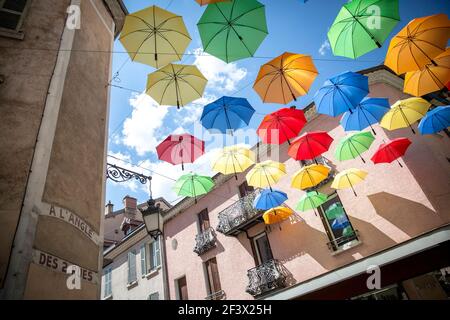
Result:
pixel 239 216
pixel 219 295
pixel 205 241
pixel 266 277
pixel 344 242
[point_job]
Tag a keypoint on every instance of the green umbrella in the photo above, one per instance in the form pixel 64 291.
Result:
pixel 348 231
pixel 193 185
pixel 353 145
pixel 311 200
pixel 334 211
pixel 361 26
pixel 233 30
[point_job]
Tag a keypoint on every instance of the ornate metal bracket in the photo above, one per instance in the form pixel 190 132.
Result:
pixel 118 174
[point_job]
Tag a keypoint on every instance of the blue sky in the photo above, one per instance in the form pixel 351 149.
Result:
pixel 137 123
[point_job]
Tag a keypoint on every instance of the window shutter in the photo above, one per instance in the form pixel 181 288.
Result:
pixel 143 260
pixel 157 254
pixel 131 266
pixel 108 285
pixel 155 257
pixel 154 296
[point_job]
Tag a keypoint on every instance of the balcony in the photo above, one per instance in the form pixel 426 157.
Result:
pixel 219 295
pixel 344 243
pixel 266 277
pixel 239 216
pixel 205 241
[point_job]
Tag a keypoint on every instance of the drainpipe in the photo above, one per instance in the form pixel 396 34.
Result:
pixel 164 265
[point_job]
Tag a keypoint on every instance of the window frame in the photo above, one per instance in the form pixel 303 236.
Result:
pixel 209 277
pixel 153 295
pixel 18 32
pixel 154 254
pixel 130 261
pixel 258 259
pixel 178 288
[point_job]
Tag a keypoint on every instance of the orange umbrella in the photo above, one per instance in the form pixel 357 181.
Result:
pixel 203 2
pixel 285 78
pixel 431 78
pixel 418 43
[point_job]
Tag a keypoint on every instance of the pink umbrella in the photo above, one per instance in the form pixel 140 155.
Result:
pixel 180 148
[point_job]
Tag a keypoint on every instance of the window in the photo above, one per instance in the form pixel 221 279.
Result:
pixel 212 276
pixel 144 268
pixel 155 255
pixel 153 296
pixel 108 286
pixel 203 220
pixel 336 222
pixel 182 289
pixel 245 189
pixel 12 13
pixel 262 248
pixel 131 266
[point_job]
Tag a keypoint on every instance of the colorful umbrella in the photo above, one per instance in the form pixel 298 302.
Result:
pixel 418 43
pixel 154 36
pixel 180 148
pixel 265 174
pixel 282 125
pixel 285 78
pixel 310 176
pixel 269 199
pixel 227 114
pixel 388 152
pixel 348 178
pixel 334 211
pixel 311 200
pixel 233 30
pixel 435 120
pixel 340 222
pixel 203 2
pixel 356 31
pixel 310 145
pixel 354 145
pixel 429 79
pixel 176 84
pixel 365 114
pixel 276 215
pixel 234 159
pixel 404 113
pixel 341 93
pixel 193 185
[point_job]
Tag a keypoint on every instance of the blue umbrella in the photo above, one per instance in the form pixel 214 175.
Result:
pixel 340 222
pixel 435 120
pixel 341 93
pixel 269 199
pixel 227 114
pixel 366 113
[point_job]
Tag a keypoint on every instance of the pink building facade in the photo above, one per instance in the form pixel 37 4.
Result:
pixel 400 213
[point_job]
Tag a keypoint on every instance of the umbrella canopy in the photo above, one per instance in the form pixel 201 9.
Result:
pixel 269 199
pixel 276 215
pixel 266 174
pixel 355 31
pixel 204 2
pixel 176 84
pixel 390 151
pixel 340 222
pixel 334 211
pixel 154 36
pixel 404 113
pixel 309 176
pixel 281 126
pixel 234 159
pixel 233 30
pixel 180 149
pixel 429 79
pixel 354 145
pixel 348 178
pixel 193 185
pixel 418 43
pixel 435 120
pixel 227 114
pixel 285 78
pixel 368 112
pixel 311 200
pixel 341 93
pixel 310 145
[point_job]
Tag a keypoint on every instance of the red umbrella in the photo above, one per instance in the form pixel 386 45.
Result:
pixel 180 148
pixel 282 125
pixel 448 85
pixel 388 152
pixel 310 145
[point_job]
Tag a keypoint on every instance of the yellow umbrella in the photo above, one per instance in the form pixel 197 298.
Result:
pixel 309 176
pixel 265 174
pixel 404 113
pixel 154 36
pixel 277 214
pixel 233 159
pixel 418 43
pixel 176 84
pixel 431 78
pixel 348 178
pixel 285 78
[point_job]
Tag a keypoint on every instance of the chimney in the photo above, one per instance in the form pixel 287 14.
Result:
pixel 109 208
pixel 130 205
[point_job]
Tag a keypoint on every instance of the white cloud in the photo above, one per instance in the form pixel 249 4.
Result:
pixel 221 76
pixel 140 131
pixel 324 47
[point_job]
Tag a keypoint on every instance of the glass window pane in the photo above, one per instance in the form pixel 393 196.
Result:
pixel 9 20
pixel 15 5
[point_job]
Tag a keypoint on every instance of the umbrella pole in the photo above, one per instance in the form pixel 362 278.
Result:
pixel 359 154
pixel 354 192
pixel 367 119
pixel 400 164
pixel 406 120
